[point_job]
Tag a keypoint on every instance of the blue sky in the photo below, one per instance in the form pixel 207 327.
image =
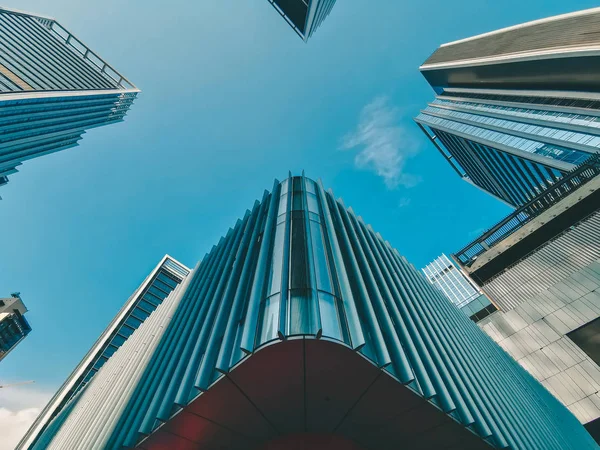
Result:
pixel 231 99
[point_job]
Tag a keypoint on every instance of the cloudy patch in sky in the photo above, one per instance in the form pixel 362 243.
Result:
pixel 403 202
pixel 382 143
pixel 19 407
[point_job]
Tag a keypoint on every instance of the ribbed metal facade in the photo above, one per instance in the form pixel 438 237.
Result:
pixel 513 125
pixel 52 89
pixel 557 259
pixel 302 265
pixel 544 298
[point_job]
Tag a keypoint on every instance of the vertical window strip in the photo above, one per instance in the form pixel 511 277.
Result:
pixel 499 175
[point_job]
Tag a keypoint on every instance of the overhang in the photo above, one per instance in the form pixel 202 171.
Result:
pixel 313 392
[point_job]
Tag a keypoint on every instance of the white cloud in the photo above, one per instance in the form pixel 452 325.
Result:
pixel 403 201
pixel 383 144
pixel 19 407
pixel 14 424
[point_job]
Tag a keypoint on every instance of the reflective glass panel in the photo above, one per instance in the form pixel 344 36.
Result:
pixel 299 316
pixel 319 254
pixel 299 272
pixel 329 316
pixel 270 322
pixel 277 261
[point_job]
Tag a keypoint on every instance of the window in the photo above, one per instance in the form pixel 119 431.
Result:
pixel 277 260
pixel 318 247
pixel 587 338
pixel 483 313
pixel 330 321
pixel 270 319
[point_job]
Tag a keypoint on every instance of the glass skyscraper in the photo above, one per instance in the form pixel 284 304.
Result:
pixel 304 16
pixel 304 328
pixel 13 324
pixel 518 108
pixel 52 89
pixel 458 288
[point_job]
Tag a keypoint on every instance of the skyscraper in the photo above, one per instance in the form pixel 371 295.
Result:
pixel 458 288
pixel 166 277
pixel 304 326
pixel 304 16
pixel 13 325
pixel 541 266
pixel 518 108
pixel 52 89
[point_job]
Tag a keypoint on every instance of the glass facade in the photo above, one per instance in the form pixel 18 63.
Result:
pixel 587 338
pixel 445 276
pixel 13 325
pixel 13 328
pixel 458 288
pixel 302 271
pixel 52 89
pixel 311 285
pixel 511 152
pixel 514 121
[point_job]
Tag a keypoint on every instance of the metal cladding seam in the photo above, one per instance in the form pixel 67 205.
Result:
pixel 547 265
pixel 301 264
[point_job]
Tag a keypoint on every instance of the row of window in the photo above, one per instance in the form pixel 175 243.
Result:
pixel 469 163
pixel 514 179
pixel 531 99
pixel 52 124
pixel 12 329
pixel 304 256
pixel 160 287
pixel 523 144
pixel 559 118
pixel 23 101
pixel 446 277
pixel 505 130
pixel 44 145
pixel 13 113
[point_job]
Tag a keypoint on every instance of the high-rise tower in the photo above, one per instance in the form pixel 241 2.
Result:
pixel 518 108
pixel 165 278
pixel 52 89
pixel 304 328
pixel 13 325
pixel 304 16
pixel 541 267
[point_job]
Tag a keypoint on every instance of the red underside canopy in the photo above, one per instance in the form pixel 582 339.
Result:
pixel 310 394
